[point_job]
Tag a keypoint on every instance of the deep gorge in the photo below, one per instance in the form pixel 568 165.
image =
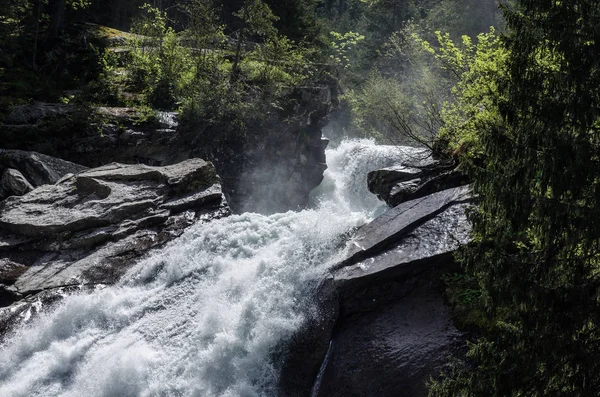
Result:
pixel 220 309
pixel 322 198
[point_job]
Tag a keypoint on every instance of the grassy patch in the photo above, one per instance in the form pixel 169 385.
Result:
pixel 106 33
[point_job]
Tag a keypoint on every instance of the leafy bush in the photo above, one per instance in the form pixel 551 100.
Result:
pixel 210 82
pixel 478 67
pixel 447 95
pixel 159 63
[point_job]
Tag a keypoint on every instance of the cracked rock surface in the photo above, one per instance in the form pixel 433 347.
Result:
pixel 89 228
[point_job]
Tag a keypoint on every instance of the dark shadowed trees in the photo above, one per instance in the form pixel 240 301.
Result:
pixel 537 251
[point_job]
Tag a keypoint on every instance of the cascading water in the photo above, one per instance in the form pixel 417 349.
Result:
pixel 202 316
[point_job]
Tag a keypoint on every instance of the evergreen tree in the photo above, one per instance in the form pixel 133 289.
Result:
pixel 297 19
pixel 537 250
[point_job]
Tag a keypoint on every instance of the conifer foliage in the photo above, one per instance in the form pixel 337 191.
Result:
pixel 537 250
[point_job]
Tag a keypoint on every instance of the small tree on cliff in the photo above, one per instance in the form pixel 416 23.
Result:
pixel 255 20
pixel 207 33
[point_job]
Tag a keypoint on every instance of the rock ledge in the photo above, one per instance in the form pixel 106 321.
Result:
pixel 89 228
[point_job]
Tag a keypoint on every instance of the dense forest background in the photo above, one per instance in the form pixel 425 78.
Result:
pixel 230 60
pixel 509 91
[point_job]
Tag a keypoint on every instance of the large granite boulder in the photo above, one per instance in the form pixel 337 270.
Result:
pixel 89 228
pixel 394 349
pixel 392 329
pixel 398 241
pixel 395 331
pixel 401 183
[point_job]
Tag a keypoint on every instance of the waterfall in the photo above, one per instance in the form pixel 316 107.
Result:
pixel 201 316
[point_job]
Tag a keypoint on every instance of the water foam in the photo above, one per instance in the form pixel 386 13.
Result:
pixel 202 316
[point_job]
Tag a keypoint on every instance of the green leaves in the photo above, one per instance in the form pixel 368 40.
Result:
pixel 479 68
pixel 158 62
pixel 257 19
pixel 78 4
pixel 537 250
pixel 342 46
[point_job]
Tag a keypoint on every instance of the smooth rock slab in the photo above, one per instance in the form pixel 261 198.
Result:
pixel 391 226
pixel 417 249
pixel 391 351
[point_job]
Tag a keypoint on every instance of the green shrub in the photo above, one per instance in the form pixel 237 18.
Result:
pixel 159 62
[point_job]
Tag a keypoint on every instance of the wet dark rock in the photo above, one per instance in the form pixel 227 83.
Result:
pixel 394 349
pixel 89 228
pixel 415 250
pixel 401 183
pixel 7 297
pixel 393 330
pixel 399 222
pixel 305 350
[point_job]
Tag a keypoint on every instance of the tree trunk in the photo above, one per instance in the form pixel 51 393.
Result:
pixel 57 19
pixel 236 60
pixel 36 34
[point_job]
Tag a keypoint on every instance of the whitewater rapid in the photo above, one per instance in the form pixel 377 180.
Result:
pixel 202 316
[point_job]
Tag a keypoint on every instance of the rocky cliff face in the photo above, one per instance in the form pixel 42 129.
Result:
pixel 89 228
pixel 283 161
pixel 279 172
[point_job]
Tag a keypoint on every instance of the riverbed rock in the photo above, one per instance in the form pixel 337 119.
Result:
pixel 404 238
pixel 392 329
pixel 305 350
pixel 89 228
pixel 401 183
pixel 394 349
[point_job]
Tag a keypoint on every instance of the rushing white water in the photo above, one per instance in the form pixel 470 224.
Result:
pixel 202 316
